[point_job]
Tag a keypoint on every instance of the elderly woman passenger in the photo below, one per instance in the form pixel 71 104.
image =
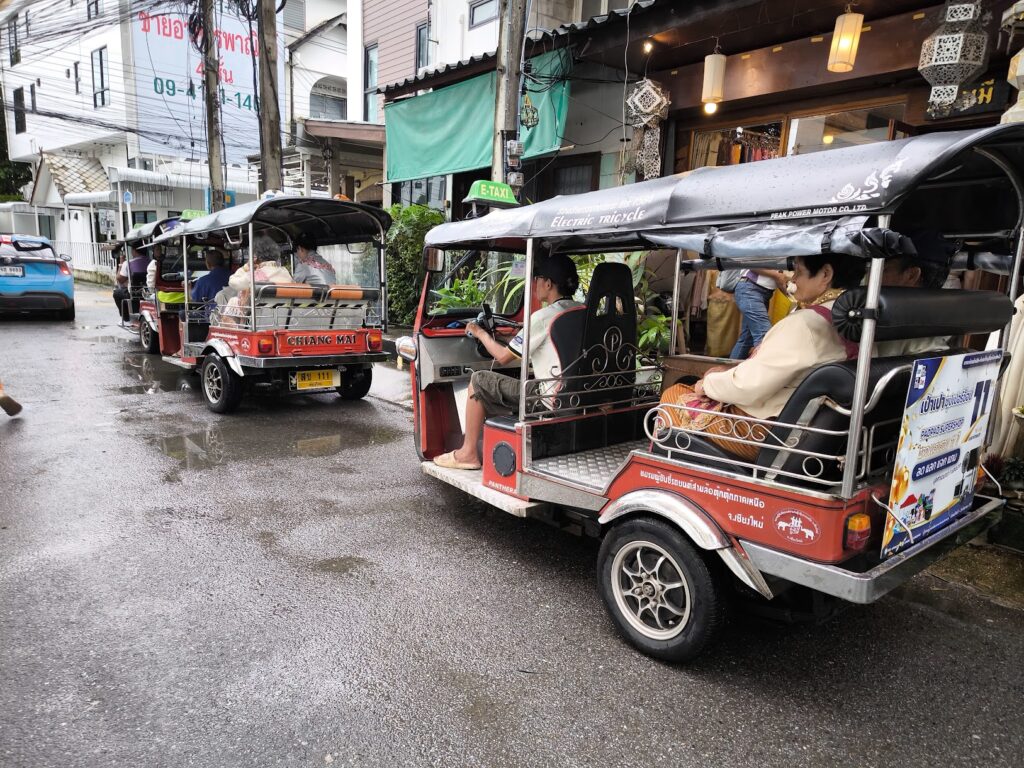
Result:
pixel 761 385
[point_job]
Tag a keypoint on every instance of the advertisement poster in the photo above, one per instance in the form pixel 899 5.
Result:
pixel 169 84
pixel 939 450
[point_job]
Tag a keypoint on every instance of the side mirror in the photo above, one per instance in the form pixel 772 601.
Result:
pixel 65 257
pixel 433 259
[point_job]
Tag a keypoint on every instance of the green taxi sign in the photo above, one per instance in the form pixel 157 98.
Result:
pixel 191 213
pixel 496 194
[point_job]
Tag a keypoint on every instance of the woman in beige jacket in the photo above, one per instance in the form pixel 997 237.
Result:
pixel 800 342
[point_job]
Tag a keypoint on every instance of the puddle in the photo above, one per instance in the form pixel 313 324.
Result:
pixel 153 375
pixel 222 444
pixel 106 339
pixel 340 565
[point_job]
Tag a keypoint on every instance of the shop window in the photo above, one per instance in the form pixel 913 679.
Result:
pixel 588 9
pixel 422 46
pixel 482 12
pixel 817 133
pixel 32 98
pixel 428 192
pixel 143 217
pixel 19 110
pixel 100 78
pixel 93 9
pixel 736 145
pixel 370 84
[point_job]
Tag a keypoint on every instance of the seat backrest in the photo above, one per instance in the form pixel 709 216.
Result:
pixel 834 381
pixel 609 334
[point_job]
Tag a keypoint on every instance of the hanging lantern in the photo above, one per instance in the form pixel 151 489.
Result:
pixel 953 54
pixel 714 78
pixel 845 41
pixel 647 107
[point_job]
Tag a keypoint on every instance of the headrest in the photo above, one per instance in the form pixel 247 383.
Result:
pixel 917 313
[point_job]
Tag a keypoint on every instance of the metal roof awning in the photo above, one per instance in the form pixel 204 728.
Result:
pixel 156 180
pixel 107 196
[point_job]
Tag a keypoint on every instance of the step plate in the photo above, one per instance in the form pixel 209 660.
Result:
pixel 471 481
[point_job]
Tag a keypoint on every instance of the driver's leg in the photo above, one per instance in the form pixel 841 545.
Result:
pixel 475 416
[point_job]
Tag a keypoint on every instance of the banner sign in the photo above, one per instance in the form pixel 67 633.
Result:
pixel 939 449
pixel 168 74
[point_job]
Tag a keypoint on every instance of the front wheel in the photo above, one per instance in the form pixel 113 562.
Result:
pixel 661 594
pixel 355 383
pixel 222 387
pixel 147 338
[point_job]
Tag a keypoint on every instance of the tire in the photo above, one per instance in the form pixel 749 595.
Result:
pixel 150 341
pixel 355 383
pixel 68 313
pixel 689 598
pixel 221 386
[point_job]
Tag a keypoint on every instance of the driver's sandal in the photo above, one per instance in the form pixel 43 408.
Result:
pixel 448 461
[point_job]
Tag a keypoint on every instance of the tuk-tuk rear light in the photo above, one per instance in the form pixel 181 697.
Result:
pixel 857 531
pixel 265 345
pixel 374 341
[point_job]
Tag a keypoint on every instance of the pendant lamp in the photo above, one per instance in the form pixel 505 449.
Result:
pixel 845 40
pixel 713 91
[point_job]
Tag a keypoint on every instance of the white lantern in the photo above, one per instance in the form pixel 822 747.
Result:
pixel 714 79
pixel 845 41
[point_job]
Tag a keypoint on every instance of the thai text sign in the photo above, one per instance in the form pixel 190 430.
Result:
pixel 170 89
pixel 939 449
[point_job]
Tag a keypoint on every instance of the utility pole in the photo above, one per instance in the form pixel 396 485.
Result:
pixel 211 92
pixel 511 31
pixel 269 111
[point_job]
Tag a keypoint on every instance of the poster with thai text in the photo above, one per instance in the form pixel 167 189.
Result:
pixel 939 449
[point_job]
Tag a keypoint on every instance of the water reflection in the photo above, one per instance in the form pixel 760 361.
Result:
pixel 244 441
pixel 154 376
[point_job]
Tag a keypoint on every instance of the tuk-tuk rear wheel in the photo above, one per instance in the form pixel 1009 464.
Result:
pixel 662 595
pixel 222 387
pixel 147 338
pixel 355 383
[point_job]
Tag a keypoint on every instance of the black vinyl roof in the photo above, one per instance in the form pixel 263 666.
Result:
pixel 943 179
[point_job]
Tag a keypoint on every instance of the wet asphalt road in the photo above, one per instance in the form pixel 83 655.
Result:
pixel 284 587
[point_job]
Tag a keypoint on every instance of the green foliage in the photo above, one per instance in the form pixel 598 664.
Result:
pixel 463 292
pixel 404 259
pixel 654 333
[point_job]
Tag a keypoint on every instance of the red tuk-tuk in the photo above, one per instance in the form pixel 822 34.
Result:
pixel 867 475
pixel 133 256
pixel 284 336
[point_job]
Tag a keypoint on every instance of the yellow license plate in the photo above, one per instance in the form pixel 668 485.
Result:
pixel 317 379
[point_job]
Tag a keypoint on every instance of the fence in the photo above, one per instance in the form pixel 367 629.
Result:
pixel 86 257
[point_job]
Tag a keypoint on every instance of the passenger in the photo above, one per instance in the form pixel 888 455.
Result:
pixel 310 266
pixel 761 385
pixel 929 269
pixel 268 270
pixel 204 291
pixel 132 271
pixel 492 393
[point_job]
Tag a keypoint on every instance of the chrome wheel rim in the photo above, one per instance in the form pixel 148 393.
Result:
pixel 651 590
pixel 213 383
pixel 144 331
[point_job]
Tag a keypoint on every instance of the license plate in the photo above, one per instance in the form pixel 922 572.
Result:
pixel 9 271
pixel 317 379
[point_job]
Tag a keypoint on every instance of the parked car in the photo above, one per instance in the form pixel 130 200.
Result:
pixel 33 278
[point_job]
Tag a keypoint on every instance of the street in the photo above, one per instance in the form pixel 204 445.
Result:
pixel 282 586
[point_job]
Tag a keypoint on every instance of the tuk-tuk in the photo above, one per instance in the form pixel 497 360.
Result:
pixel 133 255
pixel 276 335
pixel 870 472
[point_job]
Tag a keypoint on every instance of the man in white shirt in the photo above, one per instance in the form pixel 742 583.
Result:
pixel 928 269
pixel 491 393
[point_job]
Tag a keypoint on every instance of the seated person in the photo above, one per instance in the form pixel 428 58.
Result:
pixel 163 296
pixel 131 271
pixel 310 266
pixel 205 289
pixel 265 252
pixel 760 385
pixel 492 393
pixel 929 269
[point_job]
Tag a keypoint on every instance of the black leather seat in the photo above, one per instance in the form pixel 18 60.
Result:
pixel 608 347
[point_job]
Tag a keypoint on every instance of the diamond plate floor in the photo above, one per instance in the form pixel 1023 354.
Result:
pixel 592 469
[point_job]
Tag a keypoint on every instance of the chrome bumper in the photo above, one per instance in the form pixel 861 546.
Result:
pixel 321 361
pixel 870 585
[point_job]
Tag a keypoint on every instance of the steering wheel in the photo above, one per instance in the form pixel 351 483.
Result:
pixel 487 320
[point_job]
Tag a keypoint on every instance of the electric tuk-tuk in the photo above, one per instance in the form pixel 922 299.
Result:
pixel 871 470
pixel 283 336
pixel 135 250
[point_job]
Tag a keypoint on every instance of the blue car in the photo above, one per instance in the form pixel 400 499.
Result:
pixel 33 278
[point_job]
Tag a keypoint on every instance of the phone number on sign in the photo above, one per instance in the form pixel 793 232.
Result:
pixel 167 87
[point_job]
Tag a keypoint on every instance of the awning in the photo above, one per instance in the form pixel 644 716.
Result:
pixel 156 180
pixel 451 130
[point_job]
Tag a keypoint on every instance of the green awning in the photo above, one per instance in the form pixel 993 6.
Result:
pixel 450 130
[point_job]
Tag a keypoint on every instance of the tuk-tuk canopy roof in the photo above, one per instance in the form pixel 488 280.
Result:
pixel 937 181
pixel 151 229
pixel 324 220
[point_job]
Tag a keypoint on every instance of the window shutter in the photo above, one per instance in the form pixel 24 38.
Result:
pixel 295 14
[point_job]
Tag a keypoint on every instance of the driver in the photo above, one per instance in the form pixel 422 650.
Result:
pixel 492 393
